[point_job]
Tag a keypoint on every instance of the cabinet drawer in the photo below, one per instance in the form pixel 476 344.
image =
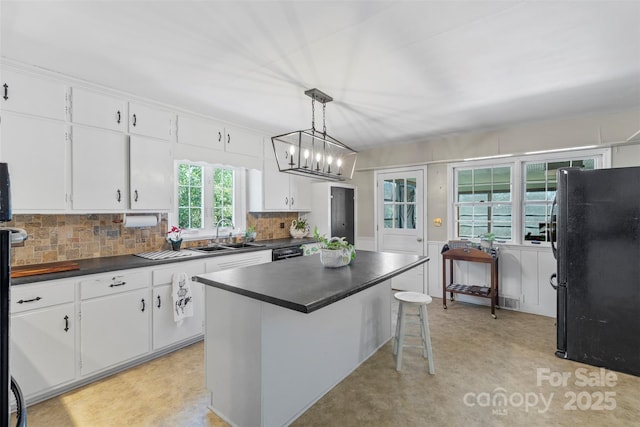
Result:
pixel 162 276
pixel 40 295
pixel 113 283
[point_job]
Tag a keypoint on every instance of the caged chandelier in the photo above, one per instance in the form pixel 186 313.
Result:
pixel 314 153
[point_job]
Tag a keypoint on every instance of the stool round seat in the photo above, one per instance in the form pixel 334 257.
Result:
pixel 413 297
pixel 413 300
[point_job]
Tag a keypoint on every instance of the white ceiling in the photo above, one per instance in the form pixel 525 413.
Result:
pixel 398 71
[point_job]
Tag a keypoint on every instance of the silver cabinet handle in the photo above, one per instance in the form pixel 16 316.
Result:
pixel 291 201
pixel 286 201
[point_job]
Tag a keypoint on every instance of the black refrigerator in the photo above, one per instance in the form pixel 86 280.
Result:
pixel 8 237
pixel 598 267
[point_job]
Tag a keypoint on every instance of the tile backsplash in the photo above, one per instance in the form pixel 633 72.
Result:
pixel 267 224
pixel 70 237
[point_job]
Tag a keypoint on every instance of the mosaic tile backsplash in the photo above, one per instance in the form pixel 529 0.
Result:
pixel 70 237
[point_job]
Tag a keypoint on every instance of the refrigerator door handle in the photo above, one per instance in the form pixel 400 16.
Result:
pixel 553 276
pixel 552 230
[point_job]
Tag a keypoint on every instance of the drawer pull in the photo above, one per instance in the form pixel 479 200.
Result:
pixel 118 114
pixel 113 285
pixel 6 91
pixel 143 304
pixel 135 120
pixel 66 323
pixel 22 301
pixel 159 302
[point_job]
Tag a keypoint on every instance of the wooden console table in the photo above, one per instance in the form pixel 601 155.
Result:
pixel 471 255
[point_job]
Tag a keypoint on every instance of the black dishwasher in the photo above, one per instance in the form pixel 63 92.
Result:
pixel 285 253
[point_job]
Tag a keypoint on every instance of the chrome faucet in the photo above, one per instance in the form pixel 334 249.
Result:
pixel 218 226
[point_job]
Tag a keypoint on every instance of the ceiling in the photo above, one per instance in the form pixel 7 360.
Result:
pixel 399 71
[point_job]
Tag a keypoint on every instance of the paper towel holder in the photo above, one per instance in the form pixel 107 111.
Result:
pixel 139 221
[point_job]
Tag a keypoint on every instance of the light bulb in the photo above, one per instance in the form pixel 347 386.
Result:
pixel 318 157
pixel 339 162
pixel 306 154
pixel 292 150
pixel 329 160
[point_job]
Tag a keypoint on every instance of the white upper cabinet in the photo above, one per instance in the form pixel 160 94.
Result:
pixel 96 109
pixel 23 93
pixel 272 190
pixel 35 150
pixel 200 132
pixel 149 121
pixel 217 136
pixel 99 169
pixel 242 141
pixel 151 172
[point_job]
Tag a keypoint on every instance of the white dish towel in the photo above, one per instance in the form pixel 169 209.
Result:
pixel 182 297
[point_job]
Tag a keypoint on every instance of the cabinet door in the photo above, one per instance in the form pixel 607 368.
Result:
pixel 300 193
pixel 114 329
pixel 165 330
pixel 275 187
pixel 35 150
pixel 242 141
pixel 95 109
pixel 43 348
pixel 24 93
pixel 200 132
pixel 98 161
pixel 151 172
pixel 149 121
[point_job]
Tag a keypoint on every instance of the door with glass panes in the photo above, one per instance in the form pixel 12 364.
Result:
pixel 399 226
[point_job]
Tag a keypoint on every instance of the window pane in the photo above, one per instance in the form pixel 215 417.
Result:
pixel 195 175
pixel 183 196
pixel 536 191
pixel 411 190
pixel 536 172
pixel 411 216
pixel 388 190
pixel 535 218
pixel 400 190
pixel 388 215
pixel 465 193
pixel 465 229
pixel 195 196
pixel 183 174
pixel 465 177
pixel 399 211
pixel 465 213
pixel 196 218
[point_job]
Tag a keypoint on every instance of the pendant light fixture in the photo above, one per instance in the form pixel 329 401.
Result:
pixel 312 152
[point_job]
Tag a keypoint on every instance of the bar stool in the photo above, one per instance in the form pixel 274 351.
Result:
pixel 413 299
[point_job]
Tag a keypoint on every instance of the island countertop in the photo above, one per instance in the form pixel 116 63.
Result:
pixel 303 284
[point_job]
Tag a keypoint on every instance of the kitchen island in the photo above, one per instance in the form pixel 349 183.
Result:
pixel 279 336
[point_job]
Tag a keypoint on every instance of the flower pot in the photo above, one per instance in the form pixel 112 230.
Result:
pixel 334 258
pixel 297 233
pixel 175 244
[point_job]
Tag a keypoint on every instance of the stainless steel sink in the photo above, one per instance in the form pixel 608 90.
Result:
pixel 242 245
pixel 226 247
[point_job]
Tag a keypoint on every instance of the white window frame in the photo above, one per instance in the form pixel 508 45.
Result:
pixel 602 158
pixel 209 229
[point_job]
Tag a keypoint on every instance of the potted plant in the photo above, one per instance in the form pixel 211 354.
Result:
pixel 250 234
pixel 174 237
pixel 335 251
pixel 299 228
pixel 486 240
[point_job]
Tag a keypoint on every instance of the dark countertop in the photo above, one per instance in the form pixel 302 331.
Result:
pixel 304 285
pixel 124 262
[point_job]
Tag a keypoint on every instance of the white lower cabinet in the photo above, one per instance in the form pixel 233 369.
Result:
pixel 166 331
pixel 43 335
pixel 115 319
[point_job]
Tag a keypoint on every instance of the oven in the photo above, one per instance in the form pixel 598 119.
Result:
pixel 285 253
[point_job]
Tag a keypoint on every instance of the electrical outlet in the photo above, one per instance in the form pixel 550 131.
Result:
pixel 282 225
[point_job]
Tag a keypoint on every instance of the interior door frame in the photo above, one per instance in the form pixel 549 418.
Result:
pixel 423 216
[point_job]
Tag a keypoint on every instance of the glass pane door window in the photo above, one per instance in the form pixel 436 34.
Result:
pixel 540 184
pixel 400 203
